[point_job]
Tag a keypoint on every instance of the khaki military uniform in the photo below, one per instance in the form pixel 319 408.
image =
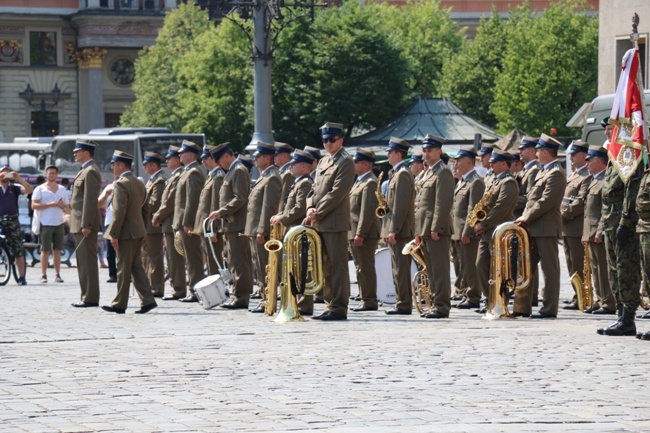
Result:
pixel 526 181
pixel 330 198
pixel 152 251
pixel 287 181
pixel 209 201
pixel 433 206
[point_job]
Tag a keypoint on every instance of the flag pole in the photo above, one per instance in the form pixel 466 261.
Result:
pixel 634 37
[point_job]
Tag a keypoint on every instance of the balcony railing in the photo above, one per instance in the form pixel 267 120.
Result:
pixel 128 5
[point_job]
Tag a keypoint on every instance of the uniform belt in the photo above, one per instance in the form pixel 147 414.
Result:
pixel 612 200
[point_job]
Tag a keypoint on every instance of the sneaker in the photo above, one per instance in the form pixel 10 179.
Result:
pixel 58 279
pixel 21 281
pixel 43 279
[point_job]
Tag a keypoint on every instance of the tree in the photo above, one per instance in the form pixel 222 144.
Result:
pixel 549 68
pixel 468 79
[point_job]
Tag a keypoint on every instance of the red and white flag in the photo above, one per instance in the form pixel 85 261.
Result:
pixel 630 136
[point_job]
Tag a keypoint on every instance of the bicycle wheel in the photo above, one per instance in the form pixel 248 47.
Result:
pixel 6 266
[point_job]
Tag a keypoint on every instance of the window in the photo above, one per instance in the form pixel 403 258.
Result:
pixel 45 123
pixel 42 48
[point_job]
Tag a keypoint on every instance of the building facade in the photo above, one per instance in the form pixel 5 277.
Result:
pixel 66 66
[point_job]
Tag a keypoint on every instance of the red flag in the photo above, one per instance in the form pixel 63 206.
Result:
pixel 630 136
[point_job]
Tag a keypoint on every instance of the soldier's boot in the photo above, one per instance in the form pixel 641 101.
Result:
pixel 626 326
pixel 619 315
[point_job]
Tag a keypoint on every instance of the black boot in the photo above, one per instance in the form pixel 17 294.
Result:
pixel 619 314
pixel 626 326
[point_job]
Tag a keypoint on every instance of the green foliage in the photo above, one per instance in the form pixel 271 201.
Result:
pixel 549 69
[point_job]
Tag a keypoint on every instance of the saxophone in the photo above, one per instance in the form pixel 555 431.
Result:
pixel 479 212
pixel 583 290
pixel 380 212
pixel 273 246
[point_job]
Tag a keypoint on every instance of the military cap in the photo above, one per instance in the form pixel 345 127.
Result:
pixel 264 149
pixel 486 149
pixel 528 141
pixel 313 152
pixel 416 158
pixel 218 150
pixel 500 155
pixel 301 156
pixel 546 141
pixel 282 148
pixel 83 144
pixel 597 151
pixel 466 151
pixel 173 151
pixel 398 144
pixel 604 122
pixel 516 157
pixel 207 151
pixel 364 155
pixel 329 130
pixel 248 163
pixel 188 146
pixel 578 146
pixel 432 141
pixel 119 156
pixel 152 157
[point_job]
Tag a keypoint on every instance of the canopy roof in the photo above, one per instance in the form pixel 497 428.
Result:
pixel 437 116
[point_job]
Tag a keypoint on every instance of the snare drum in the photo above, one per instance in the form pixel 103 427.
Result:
pixel 384 269
pixel 211 291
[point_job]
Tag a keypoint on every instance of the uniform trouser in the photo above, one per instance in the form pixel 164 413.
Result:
pixel 260 259
pixel 208 245
pixel 364 261
pixel 154 264
pixel 467 255
pixel 336 290
pixel 239 262
pixel 176 268
pixel 129 264
pixel 574 251
pixel 644 242
pixel 193 259
pixel 439 272
pixel 600 281
pixel 623 267
pixel 401 265
pixel 87 267
pixel 545 250
pixel 456 255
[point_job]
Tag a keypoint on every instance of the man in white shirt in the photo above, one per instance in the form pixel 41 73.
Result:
pixel 51 200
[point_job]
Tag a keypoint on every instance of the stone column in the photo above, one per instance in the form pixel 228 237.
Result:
pixel 91 89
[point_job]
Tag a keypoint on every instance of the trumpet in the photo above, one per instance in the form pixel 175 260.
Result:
pixel 420 283
pixel 273 246
pixel 381 210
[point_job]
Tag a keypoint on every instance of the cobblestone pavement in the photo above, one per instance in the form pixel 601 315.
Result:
pixel 184 369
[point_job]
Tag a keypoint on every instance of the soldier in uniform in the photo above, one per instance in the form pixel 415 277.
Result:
pixel 543 220
pixel 126 232
pixel 468 192
pixel 363 236
pixel 282 161
pixel 517 166
pixel 501 199
pixel 573 211
pixel 622 244
pixel 163 218
pixel 433 224
pixel 485 153
pixel 262 205
pixel 593 230
pixel 643 230
pixel 328 211
pixel 233 198
pixel 315 153
pixel 85 222
pixel 295 209
pixel 416 165
pixel 152 249
pixel 185 212
pixel 208 200
pixel 398 224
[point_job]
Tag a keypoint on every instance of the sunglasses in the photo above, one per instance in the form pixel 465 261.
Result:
pixel 330 140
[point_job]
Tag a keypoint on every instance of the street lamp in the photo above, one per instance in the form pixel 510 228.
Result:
pixel 43 107
pixel 262 13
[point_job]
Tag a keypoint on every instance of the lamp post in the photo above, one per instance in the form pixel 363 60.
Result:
pixel 42 106
pixel 262 13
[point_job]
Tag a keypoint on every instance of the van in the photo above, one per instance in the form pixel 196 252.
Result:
pixel 594 113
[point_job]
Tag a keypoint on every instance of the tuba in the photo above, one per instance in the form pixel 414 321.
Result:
pixel 420 283
pixel 584 292
pixel 380 212
pixel 510 269
pixel 273 246
pixel 302 270
pixel 479 212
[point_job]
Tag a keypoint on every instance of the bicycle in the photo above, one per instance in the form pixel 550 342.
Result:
pixel 7 263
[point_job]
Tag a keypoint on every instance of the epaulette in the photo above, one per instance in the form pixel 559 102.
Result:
pixel 219 172
pixel 273 170
pixel 343 154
